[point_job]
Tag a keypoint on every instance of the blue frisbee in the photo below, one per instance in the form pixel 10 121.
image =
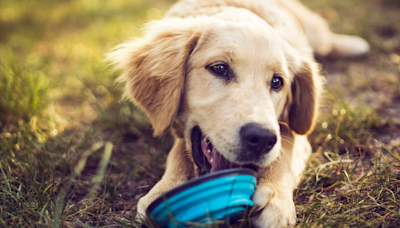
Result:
pixel 222 195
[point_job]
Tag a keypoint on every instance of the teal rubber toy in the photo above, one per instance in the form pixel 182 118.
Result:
pixel 222 195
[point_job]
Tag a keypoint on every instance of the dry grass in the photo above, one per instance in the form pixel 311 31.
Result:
pixel 72 155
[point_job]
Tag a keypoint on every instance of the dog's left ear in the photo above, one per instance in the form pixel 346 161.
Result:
pixel 154 69
pixel 306 89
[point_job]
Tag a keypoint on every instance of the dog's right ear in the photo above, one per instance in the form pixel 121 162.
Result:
pixel 154 69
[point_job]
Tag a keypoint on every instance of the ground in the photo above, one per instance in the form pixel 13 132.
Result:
pixel 73 154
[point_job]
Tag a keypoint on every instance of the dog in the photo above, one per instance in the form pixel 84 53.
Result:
pixel 237 84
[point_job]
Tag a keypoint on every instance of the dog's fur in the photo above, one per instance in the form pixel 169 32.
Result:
pixel 167 74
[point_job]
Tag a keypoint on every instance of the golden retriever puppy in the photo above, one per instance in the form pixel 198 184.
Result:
pixel 237 84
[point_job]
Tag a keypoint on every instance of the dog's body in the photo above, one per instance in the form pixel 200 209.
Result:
pixel 237 83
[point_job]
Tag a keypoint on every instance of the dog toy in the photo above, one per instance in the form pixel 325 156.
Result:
pixel 220 195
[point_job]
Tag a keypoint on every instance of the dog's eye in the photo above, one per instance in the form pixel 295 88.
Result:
pixel 220 69
pixel 277 83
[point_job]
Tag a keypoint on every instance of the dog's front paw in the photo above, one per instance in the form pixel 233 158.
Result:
pixel 144 203
pixel 159 189
pixel 275 209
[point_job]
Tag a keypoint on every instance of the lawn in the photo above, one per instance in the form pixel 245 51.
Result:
pixel 73 154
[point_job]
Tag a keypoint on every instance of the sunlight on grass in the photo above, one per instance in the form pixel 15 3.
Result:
pixel 24 89
pixel 54 84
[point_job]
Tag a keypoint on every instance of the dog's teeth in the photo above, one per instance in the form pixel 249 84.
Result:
pixel 211 160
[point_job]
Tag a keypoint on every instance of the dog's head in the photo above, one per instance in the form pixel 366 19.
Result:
pixel 225 83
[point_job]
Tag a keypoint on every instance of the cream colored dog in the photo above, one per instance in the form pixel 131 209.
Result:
pixel 237 84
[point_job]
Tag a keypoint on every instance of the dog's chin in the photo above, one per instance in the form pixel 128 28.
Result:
pixel 207 158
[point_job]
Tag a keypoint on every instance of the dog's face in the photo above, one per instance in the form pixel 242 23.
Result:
pixel 236 88
pixel 225 84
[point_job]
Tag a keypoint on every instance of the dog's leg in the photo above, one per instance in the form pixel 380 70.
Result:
pixel 274 193
pixel 274 201
pixel 177 171
pixel 321 39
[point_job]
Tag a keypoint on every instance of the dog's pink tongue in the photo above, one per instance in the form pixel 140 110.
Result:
pixel 220 162
pixel 216 160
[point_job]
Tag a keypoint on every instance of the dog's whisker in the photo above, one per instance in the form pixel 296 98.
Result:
pixel 289 142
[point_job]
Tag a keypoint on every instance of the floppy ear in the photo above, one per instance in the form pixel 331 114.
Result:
pixel 154 69
pixel 306 89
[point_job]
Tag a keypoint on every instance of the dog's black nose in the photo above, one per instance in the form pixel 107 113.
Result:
pixel 257 139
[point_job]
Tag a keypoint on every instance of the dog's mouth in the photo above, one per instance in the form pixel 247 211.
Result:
pixel 208 158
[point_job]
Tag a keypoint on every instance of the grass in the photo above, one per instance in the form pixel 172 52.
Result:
pixel 366 199
pixel 19 99
pixel 73 155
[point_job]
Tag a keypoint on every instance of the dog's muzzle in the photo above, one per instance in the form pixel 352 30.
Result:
pixel 255 142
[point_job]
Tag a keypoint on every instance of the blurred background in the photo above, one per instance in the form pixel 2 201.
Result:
pixel 74 154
